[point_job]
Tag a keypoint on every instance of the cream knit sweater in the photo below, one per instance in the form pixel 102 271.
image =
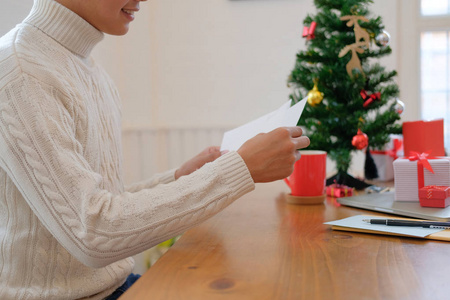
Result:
pixel 67 224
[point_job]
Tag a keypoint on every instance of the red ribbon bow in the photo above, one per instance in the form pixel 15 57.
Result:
pixel 368 99
pixel 422 161
pixel 308 32
pixel 422 158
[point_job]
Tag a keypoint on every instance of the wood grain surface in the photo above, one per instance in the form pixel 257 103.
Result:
pixel 260 247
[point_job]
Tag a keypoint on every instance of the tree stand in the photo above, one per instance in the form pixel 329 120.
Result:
pixel 348 180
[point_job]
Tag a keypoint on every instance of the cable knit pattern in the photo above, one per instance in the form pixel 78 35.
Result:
pixel 67 224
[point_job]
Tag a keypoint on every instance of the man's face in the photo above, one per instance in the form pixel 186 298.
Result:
pixel 109 16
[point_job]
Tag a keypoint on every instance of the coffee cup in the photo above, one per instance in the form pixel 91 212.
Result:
pixel 308 180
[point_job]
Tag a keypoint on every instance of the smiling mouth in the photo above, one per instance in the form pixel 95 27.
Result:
pixel 129 12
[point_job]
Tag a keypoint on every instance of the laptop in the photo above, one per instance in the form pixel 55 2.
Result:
pixel 384 202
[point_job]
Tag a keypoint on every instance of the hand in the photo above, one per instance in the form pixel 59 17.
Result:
pixel 208 155
pixel 271 156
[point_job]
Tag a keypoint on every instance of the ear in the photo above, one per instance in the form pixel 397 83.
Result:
pixel 343 51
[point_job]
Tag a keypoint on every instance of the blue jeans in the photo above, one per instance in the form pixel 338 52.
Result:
pixel 120 290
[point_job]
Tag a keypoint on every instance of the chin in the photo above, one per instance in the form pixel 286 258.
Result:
pixel 117 31
pixel 120 34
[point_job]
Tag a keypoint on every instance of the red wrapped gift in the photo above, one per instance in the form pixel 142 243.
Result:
pixel 339 190
pixel 434 196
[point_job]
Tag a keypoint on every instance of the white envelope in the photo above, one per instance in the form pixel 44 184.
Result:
pixel 285 116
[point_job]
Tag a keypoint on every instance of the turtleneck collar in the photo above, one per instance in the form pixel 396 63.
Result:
pixel 65 26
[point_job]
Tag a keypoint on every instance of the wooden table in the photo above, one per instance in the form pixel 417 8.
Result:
pixel 262 248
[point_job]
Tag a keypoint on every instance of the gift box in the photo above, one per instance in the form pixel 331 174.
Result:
pixel 421 136
pixel 384 158
pixel 413 173
pixel 339 190
pixel 434 196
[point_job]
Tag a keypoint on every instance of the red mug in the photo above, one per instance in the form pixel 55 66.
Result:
pixel 309 176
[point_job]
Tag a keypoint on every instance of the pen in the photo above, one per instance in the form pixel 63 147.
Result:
pixel 394 222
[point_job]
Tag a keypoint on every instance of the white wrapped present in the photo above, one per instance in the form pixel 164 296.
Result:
pixel 385 157
pixel 411 175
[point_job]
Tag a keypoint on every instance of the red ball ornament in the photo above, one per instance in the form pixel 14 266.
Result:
pixel 360 140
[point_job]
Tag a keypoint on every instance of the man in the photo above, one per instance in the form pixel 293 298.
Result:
pixel 68 225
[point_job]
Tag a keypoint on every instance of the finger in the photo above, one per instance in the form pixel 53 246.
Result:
pixel 209 150
pixel 213 154
pixel 295 131
pixel 214 149
pixel 301 142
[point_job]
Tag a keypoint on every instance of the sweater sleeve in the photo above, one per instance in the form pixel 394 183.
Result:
pixel 40 153
pixel 165 177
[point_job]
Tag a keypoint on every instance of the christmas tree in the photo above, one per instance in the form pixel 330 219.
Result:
pixel 351 98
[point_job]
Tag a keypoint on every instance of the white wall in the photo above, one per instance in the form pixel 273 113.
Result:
pixel 12 12
pixel 209 62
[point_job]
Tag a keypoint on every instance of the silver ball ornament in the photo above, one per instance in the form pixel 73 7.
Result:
pixel 383 39
pixel 399 106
